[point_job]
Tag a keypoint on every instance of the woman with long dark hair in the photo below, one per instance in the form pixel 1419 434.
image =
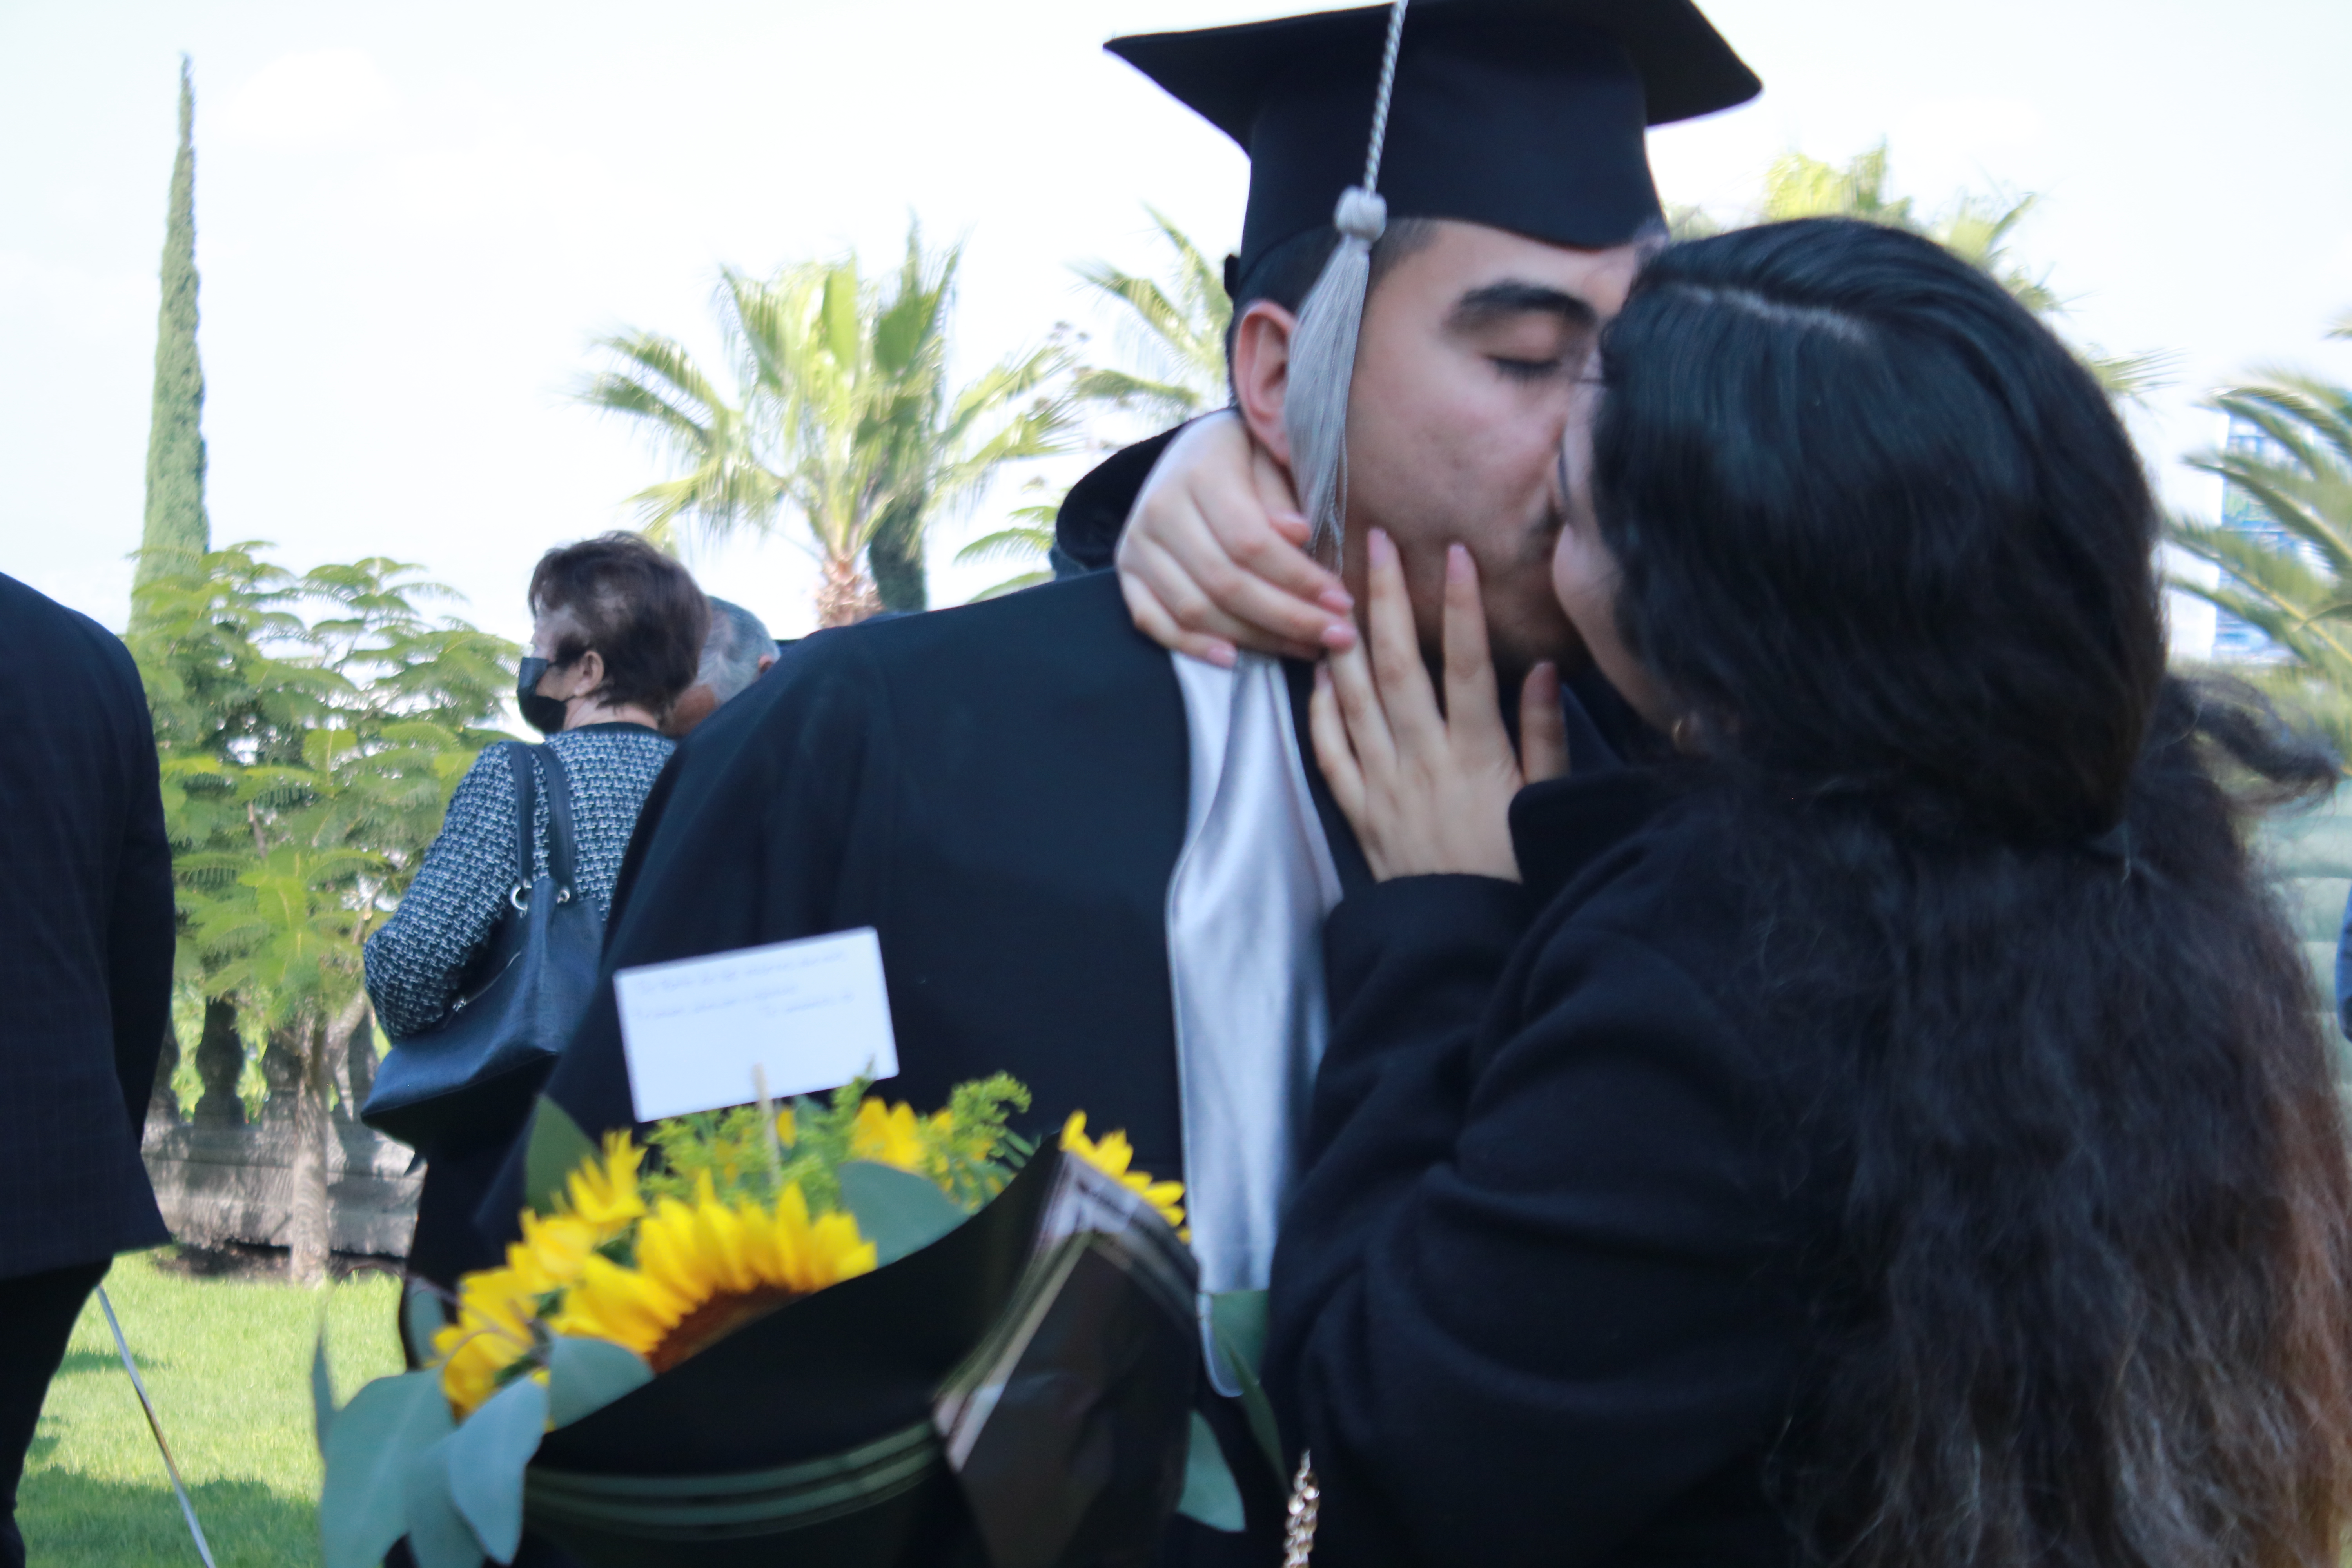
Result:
pixel 1892 1126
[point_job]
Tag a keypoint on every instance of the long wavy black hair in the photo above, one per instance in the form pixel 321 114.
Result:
pixel 2086 1300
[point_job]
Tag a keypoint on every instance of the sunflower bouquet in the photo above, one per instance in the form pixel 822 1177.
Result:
pixel 839 1328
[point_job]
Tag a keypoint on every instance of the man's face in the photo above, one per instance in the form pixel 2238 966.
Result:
pixel 1466 376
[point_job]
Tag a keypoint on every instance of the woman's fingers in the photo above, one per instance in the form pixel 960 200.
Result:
pixel 1332 751
pixel 1405 692
pixel 1147 567
pixel 1369 729
pixel 1215 542
pixel 1153 619
pixel 1473 710
pixel 1282 559
pixel 1543 729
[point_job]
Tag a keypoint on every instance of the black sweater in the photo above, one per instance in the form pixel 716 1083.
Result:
pixel 1536 1298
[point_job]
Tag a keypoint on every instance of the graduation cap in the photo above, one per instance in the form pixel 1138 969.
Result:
pixel 1524 115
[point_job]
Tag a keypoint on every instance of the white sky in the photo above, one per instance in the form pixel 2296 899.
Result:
pixel 412 219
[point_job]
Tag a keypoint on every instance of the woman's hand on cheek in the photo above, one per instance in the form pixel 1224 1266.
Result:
pixel 1430 793
pixel 1213 556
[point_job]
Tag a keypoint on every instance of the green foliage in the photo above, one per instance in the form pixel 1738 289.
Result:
pixel 2296 589
pixel 1175 324
pixel 557 1147
pixel 966 1149
pixel 1026 536
pixel 176 530
pixel 1173 327
pixel 842 418
pixel 900 1212
pixel 310 729
pixel 1975 225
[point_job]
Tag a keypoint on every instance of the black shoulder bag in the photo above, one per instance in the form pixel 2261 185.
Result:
pixel 473 1076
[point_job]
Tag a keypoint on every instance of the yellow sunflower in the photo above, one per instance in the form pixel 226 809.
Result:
pixel 496 1306
pixel 604 1192
pixel 888 1136
pixel 1111 1156
pixel 705 1268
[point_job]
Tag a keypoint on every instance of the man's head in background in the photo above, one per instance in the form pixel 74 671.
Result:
pixel 737 651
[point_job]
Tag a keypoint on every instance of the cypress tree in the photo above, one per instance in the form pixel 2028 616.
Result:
pixel 176 530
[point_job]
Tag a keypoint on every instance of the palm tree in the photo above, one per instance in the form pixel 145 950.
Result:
pixel 2292 580
pixel 1976 226
pixel 1181 315
pixel 1027 537
pixel 1174 325
pixel 841 417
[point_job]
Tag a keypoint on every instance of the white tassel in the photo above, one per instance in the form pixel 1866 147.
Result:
pixel 1323 347
pixel 1323 367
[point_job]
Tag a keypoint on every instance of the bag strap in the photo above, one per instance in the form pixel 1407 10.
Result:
pixel 560 839
pixel 526 783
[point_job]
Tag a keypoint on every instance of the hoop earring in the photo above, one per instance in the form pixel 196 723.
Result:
pixel 1684 733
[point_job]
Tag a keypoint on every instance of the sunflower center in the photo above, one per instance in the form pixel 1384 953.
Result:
pixel 714 1320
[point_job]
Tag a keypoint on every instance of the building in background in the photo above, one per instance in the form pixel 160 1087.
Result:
pixel 2234 641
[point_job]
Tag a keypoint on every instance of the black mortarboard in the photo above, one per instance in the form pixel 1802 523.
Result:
pixel 1524 115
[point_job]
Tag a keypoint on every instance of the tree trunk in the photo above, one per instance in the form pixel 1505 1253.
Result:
pixel 220 1061
pixel 360 1056
pixel 896 557
pixel 313 1227
pixel 282 1070
pixel 352 1072
pixel 843 594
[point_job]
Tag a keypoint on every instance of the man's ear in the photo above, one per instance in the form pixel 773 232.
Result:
pixel 767 662
pixel 1261 373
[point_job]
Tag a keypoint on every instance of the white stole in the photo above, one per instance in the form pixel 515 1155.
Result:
pixel 1245 910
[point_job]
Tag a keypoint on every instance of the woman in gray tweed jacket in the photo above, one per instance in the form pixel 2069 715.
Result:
pixel 617 634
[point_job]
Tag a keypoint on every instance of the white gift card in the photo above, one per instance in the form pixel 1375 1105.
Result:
pixel 809 1014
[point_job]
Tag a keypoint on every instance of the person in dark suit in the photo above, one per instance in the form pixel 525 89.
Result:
pixel 86 935
pixel 1897 1129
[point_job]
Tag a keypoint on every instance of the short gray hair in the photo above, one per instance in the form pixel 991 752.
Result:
pixel 731 653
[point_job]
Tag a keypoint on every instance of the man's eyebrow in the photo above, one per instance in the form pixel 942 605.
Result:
pixel 1513 297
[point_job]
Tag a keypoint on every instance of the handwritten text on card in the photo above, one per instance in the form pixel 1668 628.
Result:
pixel 809 1014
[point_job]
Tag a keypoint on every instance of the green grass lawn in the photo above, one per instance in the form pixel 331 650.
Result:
pixel 228 1362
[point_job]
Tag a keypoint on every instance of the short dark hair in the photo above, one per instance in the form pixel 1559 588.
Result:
pixel 636 607
pixel 1285 273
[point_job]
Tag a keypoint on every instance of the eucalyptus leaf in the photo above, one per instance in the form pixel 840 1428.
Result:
pixel 557 1148
pixel 1211 1495
pixel 322 1389
pixel 438 1536
pixel 363 1507
pixel 420 1317
pixel 485 1460
pixel 897 1210
pixel 1237 1320
pixel 585 1375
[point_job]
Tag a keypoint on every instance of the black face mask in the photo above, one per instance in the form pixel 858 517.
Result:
pixel 544 714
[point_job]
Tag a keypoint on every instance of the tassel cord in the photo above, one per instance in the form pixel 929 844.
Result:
pixel 1380 100
pixel 1330 318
